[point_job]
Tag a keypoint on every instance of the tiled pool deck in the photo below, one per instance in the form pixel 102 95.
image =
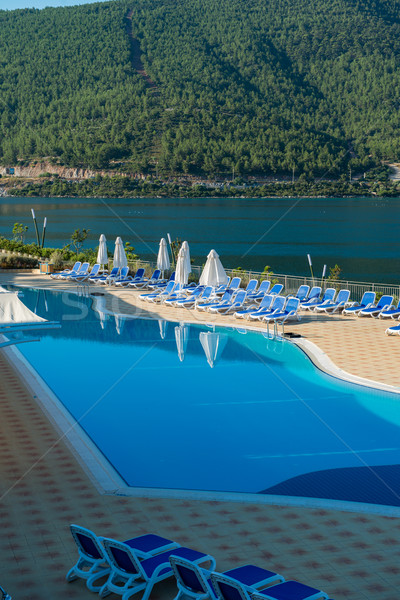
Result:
pixel 43 488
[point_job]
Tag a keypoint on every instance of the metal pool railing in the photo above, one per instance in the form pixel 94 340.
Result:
pixel 290 283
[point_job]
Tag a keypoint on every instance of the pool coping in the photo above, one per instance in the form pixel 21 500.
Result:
pixel 108 481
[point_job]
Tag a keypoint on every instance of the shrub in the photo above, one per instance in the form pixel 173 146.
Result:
pixel 56 258
pixel 18 262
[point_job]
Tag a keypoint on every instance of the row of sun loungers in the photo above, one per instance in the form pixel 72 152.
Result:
pixel 136 565
pixel 256 302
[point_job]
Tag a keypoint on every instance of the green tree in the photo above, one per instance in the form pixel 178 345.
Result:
pixel 19 231
pixel 78 238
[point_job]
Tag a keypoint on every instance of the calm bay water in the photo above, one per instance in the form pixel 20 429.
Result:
pixel 359 234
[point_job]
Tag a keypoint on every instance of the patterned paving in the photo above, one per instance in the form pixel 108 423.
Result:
pixel 43 488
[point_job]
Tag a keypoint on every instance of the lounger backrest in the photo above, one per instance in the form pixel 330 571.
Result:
pixel 124 272
pixel 264 286
pixel 156 275
pixel 240 296
pixel 87 542
pixel 235 283
pixel 266 301
pixel 95 269
pixel 197 292
pixel 139 273
pixel 384 301
pixel 278 303
pixel 114 271
pixel 302 292
pixel 172 278
pixel 169 288
pixel 343 296
pixel 329 294
pixel 84 267
pixel 189 576
pixel 76 266
pixel 227 295
pixel 368 298
pixel 122 558
pixel 228 588
pixel 315 293
pixel 206 292
pixel 276 289
pixel 292 304
pixel 251 286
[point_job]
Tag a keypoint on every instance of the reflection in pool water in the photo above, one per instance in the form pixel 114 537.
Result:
pixel 145 393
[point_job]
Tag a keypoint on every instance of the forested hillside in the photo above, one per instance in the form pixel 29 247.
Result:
pixel 254 86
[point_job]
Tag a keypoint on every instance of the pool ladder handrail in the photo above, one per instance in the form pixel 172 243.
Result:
pixel 83 288
pixel 275 334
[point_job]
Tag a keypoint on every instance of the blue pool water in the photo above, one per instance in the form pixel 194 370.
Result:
pixel 262 420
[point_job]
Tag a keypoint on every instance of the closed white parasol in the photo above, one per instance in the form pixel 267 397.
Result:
pixel 213 345
pixel 181 271
pixel 163 258
pixel 102 256
pixel 213 273
pixel 185 245
pixel 120 259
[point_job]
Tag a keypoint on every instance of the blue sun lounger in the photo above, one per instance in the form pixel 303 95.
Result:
pixel 93 564
pixel 260 293
pixel 313 296
pixel 81 271
pixel 392 312
pixel 233 286
pixel 172 288
pixel 119 278
pixel 128 575
pixel 179 302
pixel 123 279
pixel 104 275
pixel 394 330
pixel 215 302
pixel 102 279
pixel 292 590
pixel 146 282
pixel 162 283
pixel 191 302
pixel 301 293
pixel 251 286
pixel 384 303
pixel 276 289
pixel 290 311
pixel 328 296
pixel 339 304
pixel 238 583
pixel 74 269
pixel 277 305
pixel 263 305
pixel 150 295
pixel 87 275
pixel 236 302
pixel 199 584
pixel 367 300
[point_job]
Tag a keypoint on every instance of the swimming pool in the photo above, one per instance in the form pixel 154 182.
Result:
pixel 263 420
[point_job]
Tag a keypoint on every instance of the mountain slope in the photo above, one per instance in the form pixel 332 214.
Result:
pixel 264 86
